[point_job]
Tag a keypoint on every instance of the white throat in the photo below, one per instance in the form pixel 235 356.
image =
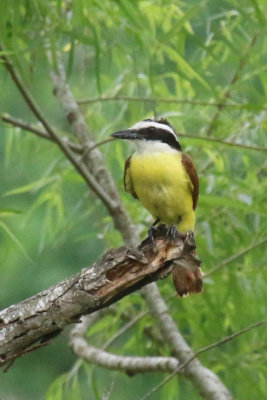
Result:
pixel 153 146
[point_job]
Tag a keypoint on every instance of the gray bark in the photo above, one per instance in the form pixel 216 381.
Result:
pixel 207 382
pixel 129 365
pixel 34 322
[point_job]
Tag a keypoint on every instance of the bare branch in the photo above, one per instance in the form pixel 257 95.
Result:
pixel 223 142
pixel 111 205
pixel 94 146
pixel 119 272
pixel 196 137
pixel 129 365
pixel 37 131
pixel 95 164
pixel 124 329
pixel 108 391
pixel 235 256
pixel 200 351
pixel 85 150
pixel 223 341
pixel 169 100
pixel 195 371
pixel 93 159
pixel 227 93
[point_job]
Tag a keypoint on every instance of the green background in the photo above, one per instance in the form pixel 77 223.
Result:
pixel 182 56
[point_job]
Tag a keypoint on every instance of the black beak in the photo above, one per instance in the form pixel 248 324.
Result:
pixel 129 134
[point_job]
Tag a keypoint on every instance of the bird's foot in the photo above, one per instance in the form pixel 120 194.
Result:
pixel 153 232
pixel 172 232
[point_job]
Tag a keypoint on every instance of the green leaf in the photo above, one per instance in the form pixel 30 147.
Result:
pixel 184 66
pixel 14 239
pixel 9 212
pixel 33 186
pixel 55 391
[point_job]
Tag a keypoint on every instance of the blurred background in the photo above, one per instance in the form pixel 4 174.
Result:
pixel 203 66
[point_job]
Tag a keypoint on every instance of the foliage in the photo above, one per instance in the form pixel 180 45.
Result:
pixel 191 54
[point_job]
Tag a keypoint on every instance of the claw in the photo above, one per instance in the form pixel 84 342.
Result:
pixel 172 232
pixel 152 233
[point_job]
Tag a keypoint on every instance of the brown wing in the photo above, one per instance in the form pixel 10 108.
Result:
pixel 127 179
pixel 192 173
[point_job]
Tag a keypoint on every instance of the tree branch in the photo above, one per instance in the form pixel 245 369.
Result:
pixel 210 384
pixel 129 365
pixel 119 272
pixel 93 158
pixel 235 256
pixel 227 93
pixel 168 100
pixel 39 132
pixel 85 150
pixel 121 331
pixel 195 371
pixel 222 142
pixel 200 351
pixel 95 164
pixel 92 182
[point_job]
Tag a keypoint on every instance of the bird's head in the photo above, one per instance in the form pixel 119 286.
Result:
pixel 150 131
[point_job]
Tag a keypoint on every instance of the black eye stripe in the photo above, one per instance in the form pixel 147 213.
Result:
pixel 161 135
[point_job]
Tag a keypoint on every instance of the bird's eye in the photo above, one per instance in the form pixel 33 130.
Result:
pixel 151 129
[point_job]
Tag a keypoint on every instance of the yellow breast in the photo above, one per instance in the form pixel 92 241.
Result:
pixel 163 187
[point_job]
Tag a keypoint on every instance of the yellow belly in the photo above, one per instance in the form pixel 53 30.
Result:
pixel 164 188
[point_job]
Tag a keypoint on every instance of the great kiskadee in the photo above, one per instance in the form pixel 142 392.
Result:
pixel 159 175
pixel 165 181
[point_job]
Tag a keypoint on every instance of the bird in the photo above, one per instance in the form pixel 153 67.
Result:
pixel 164 179
pixel 160 175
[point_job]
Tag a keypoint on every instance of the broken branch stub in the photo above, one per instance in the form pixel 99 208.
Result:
pixel 37 320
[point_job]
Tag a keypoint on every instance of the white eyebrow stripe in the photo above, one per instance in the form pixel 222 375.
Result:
pixel 147 124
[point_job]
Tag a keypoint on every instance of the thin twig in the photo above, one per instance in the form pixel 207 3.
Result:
pixel 235 256
pixel 200 351
pixel 197 373
pixel 80 149
pixel 168 100
pixel 39 132
pixel 107 393
pixel 227 93
pixel 124 329
pixel 30 349
pixel 91 181
pixel 98 144
pixel 222 142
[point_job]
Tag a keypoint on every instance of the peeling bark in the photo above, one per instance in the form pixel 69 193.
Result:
pixel 36 321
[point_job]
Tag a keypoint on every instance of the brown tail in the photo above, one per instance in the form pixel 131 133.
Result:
pixel 187 281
